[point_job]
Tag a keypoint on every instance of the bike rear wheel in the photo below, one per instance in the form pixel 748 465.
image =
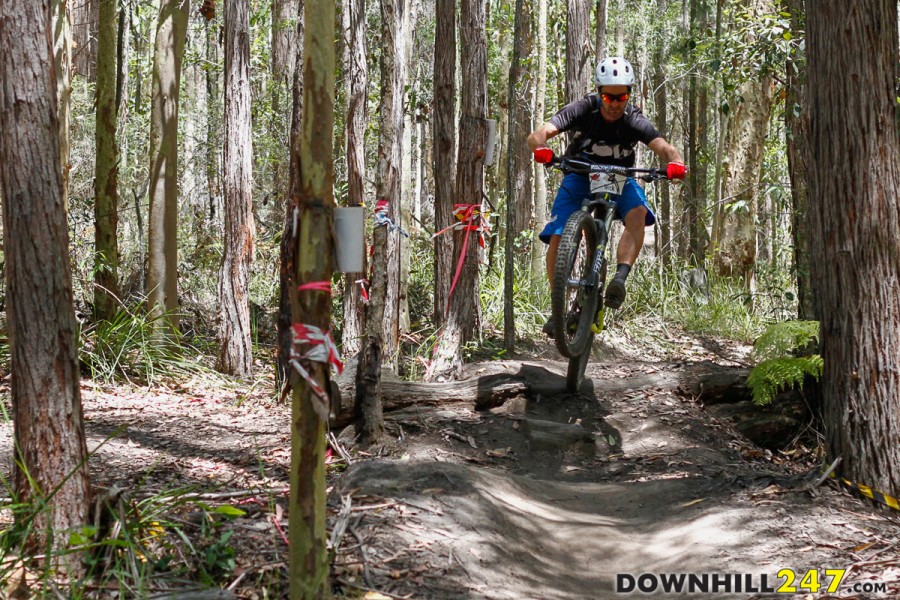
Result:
pixel 573 303
pixel 577 367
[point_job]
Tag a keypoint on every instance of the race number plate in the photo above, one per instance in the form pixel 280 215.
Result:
pixel 607 183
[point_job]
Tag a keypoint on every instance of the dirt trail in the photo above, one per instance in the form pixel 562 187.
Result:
pixel 549 496
pixel 521 505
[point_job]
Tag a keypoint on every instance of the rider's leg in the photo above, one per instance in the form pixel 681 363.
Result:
pixel 630 245
pixel 552 252
pixel 632 239
pixel 573 189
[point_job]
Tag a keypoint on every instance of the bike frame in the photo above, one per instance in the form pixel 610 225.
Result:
pixel 603 201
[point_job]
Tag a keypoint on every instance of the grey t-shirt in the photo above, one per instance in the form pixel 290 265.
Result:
pixel 601 141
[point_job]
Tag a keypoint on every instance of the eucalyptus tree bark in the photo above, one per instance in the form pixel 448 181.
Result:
pixel 722 125
pixel 796 117
pixel 389 179
pixel 444 150
pixel 284 54
pixel 855 145
pixel 214 143
pixel 620 29
pixel 697 148
pixel 284 41
pixel 378 345
pixel 106 172
pixel 62 67
pixel 235 343
pixel 540 183
pixel 661 100
pixel 734 238
pixel 600 33
pixel 461 319
pixel 288 249
pixel 519 204
pixel 579 54
pixel 162 256
pixel 357 114
pixel 50 455
pixel 85 20
pixel 409 24
pixel 313 180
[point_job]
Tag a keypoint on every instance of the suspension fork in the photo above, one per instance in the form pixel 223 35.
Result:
pixel 603 227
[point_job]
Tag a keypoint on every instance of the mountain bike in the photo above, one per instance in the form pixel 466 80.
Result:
pixel 579 279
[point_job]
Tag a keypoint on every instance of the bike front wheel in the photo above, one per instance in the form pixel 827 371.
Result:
pixel 577 367
pixel 573 300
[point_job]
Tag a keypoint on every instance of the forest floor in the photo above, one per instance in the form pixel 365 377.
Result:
pixel 550 495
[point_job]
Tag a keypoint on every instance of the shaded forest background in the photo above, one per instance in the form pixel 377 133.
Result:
pixel 702 67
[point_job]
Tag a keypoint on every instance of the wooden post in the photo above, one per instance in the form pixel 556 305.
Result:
pixel 308 568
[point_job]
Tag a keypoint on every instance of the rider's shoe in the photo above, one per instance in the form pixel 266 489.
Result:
pixel 615 293
pixel 548 327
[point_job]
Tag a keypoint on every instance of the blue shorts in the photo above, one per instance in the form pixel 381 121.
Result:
pixel 572 192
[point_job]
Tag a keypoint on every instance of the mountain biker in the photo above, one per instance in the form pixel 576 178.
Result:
pixel 607 129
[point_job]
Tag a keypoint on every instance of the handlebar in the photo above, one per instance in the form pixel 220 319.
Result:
pixel 571 164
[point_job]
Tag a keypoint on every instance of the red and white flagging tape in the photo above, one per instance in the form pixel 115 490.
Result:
pixel 319 347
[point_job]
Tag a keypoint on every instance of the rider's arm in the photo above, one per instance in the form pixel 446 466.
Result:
pixel 538 138
pixel 665 151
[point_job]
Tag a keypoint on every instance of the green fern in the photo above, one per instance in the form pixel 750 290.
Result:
pixel 771 376
pixel 780 339
pixel 777 369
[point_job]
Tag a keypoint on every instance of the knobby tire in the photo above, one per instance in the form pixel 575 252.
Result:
pixel 573 306
pixel 577 367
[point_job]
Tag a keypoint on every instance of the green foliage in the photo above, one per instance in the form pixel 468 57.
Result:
pixel 531 299
pixel 780 339
pixel 131 345
pixel 665 295
pixel 774 375
pixel 777 369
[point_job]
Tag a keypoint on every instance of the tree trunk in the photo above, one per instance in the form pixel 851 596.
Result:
pixel 519 203
pixel 284 54
pixel 461 319
pixel 664 226
pixel 796 117
pixel 620 29
pixel 540 189
pixel 308 565
pixel 377 345
pixel 62 66
pixel 578 49
pixel 390 159
pixel 444 150
pixel 357 115
pixel 106 195
pixel 288 249
pixel 85 19
pixel 855 215
pixel 235 343
pixel 697 139
pixel 214 143
pixel 699 236
pixel 50 452
pixel 600 39
pixel 734 246
pixel 162 276
pixel 284 41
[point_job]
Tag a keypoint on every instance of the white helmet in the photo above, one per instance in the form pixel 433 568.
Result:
pixel 614 70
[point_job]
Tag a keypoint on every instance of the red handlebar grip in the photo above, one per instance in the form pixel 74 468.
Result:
pixel 543 155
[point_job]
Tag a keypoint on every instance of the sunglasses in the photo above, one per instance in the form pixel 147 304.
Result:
pixel 623 97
